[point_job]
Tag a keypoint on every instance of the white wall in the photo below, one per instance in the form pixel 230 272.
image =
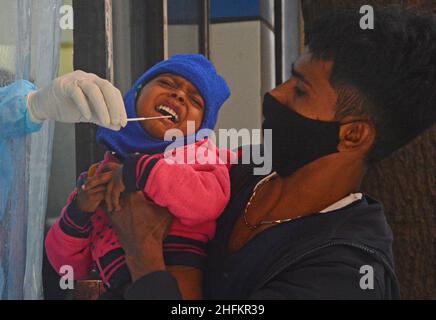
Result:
pixel 182 39
pixel 243 53
pixel 236 52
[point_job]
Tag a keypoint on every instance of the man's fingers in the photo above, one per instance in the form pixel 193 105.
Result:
pixel 76 94
pixel 99 189
pixel 114 101
pixel 98 104
pixel 110 166
pixel 108 95
pixel 98 180
pixel 108 197
pixel 116 192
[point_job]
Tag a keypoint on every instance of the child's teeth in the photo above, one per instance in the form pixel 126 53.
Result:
pixel 170 111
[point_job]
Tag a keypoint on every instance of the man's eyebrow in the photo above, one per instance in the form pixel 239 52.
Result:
pixel 298 75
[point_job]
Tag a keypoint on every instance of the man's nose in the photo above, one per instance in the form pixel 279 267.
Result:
pixel 179 95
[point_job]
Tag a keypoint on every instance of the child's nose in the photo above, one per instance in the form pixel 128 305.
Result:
pixel 179 95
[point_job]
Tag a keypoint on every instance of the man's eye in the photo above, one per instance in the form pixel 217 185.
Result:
pixel 299 92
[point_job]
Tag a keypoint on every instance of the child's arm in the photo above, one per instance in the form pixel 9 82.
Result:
pixel 67 242
pixel 194 193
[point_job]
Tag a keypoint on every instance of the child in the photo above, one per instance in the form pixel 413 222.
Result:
pixel 187 88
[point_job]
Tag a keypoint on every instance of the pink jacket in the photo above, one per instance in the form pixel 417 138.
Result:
pixel 191 181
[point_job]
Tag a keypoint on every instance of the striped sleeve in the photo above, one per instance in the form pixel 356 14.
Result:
pixel 137 169
pixel 74 222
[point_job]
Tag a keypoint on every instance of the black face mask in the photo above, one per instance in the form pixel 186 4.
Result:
pixel 296 140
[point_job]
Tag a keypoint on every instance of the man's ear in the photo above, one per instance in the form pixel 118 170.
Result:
pixel 356 135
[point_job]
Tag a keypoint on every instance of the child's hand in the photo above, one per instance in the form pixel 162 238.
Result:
pixel 91 194
pixel 114 190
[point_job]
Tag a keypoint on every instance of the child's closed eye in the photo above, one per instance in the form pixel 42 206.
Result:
pixel 167 83
pixel 197 102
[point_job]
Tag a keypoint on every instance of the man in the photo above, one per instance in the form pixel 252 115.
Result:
pixel 306 231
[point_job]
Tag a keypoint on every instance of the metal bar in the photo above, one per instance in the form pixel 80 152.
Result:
pixel 147 25
pixel 121 39
pixel 278 31
pixel 292 32
pixel 204 28
pixel 109 41
pixel 90 55
pixel 165 28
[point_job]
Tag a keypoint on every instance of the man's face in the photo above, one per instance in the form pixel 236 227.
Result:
pixel 169 94
pixel 309 92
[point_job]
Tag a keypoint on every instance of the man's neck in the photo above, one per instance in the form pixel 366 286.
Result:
pixel 318 185
pixel 311 189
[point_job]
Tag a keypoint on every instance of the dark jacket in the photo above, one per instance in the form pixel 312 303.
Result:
pixel 322 256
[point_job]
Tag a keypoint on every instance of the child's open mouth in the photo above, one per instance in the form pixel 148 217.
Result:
pixel 167 111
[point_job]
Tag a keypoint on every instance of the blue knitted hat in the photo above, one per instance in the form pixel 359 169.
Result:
pixel 193 67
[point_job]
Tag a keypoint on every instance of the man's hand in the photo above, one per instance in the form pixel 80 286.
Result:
pixel 114 190
pixel 79 97
pixel 141 227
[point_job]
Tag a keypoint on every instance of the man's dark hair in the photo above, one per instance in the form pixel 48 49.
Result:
pixel 387 74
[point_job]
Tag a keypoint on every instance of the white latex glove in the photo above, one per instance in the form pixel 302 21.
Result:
pixel 79 97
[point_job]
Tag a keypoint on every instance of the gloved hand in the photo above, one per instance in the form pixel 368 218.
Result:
pixel 79 97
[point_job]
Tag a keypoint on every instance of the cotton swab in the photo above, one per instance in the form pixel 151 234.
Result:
pixel 150 118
